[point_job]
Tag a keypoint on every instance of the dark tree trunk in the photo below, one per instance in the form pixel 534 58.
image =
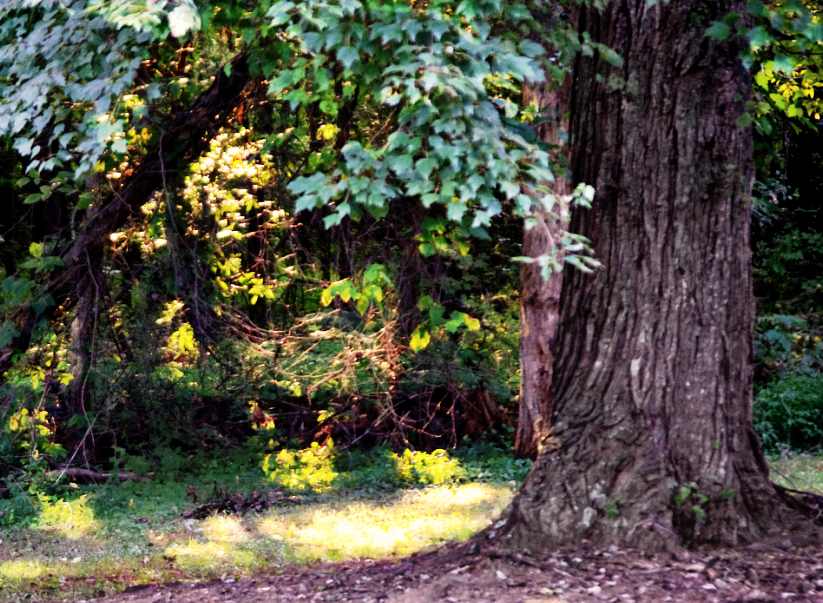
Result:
pixel 82 330
pixel 652 440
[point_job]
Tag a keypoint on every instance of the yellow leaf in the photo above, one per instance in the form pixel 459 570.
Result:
pixel 419 339
pixel 472 324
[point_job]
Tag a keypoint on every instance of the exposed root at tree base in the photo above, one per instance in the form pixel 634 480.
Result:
pixel 808 504
pixel 584 574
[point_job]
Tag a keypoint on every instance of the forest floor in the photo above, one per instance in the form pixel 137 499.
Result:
pixel 364 545
pixel 759 573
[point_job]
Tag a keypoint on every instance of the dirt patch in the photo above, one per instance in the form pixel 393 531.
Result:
pixel 582 575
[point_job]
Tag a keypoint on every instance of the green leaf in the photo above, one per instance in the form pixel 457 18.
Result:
pixel 8 332
pixel 425 303
pixel 36 249
pixel 531 49
pixel 427 250
pixel 762 80
pixel 332 220
pixel 813 31
pixel 794 111
pixel 455 210
pixel 374 273
pixel 745 120
pixel 347 56
pixel 759 37
pixel 419 339
pixel 757 8
pixel 456 320
pixel 426 166
pixel 329 107
pixel 784 63
pixel 119 146
pixel 33 198
pixel 719 31
pixel 436 315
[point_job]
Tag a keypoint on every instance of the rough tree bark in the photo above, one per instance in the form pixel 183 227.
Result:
pixel 186 135
pixel 540 298
pixel 651 441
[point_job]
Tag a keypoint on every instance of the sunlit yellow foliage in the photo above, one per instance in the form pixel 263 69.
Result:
pixel 309 469
pixel 224 187
pixel 71 519
pixel 182 344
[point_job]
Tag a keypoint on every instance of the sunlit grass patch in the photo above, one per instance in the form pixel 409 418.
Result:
pixel 225 528
pixel 209 555
pixel 798 471
pixel 413 521
pixel 21 570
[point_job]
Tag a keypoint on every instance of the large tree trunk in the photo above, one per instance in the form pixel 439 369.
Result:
pixel 652 440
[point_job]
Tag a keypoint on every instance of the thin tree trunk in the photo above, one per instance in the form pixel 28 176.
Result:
pixel 80 354
pixel 540 298
pixel 652 440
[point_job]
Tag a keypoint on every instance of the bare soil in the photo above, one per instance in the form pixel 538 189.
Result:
pixel 779 571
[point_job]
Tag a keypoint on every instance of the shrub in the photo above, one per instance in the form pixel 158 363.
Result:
pixel 789 413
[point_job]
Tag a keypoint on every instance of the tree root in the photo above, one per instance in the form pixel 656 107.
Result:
pixel 808 504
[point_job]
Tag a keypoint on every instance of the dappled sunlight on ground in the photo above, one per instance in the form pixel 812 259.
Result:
pixel 372 529
pixel 71 550
pixel 456 496
pixel 225 528
pixel 194 554
pixel 22 570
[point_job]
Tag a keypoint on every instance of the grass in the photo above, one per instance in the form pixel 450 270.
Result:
pixel 798 471
pixel 93 541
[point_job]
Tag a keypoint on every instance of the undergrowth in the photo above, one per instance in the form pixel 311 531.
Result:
pixel 78 540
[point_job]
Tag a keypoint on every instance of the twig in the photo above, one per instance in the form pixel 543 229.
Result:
pixel 95 475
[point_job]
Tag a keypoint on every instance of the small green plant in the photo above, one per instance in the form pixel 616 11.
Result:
pixel 690 494
pixel 611 509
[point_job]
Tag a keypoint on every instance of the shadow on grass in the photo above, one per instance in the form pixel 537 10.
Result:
pixel 101 540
